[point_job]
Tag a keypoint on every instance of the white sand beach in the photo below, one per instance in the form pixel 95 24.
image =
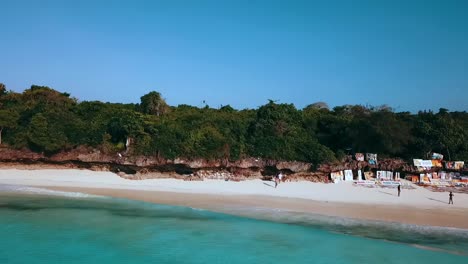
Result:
pixel 416 206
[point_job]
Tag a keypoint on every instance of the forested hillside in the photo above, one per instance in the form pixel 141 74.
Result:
pixel 45 120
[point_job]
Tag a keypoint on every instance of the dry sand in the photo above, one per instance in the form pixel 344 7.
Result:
pixel 417 206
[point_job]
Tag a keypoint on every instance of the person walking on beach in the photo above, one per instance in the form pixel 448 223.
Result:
pixel 451 198
pixel 276 180
pixel 399 189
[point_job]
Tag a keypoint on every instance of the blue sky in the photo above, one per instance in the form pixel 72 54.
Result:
pixel 412 55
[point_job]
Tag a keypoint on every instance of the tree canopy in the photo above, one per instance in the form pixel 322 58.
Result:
pixel 45 120
pixel 152 103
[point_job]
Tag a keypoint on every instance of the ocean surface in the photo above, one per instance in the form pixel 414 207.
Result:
pixel 39 226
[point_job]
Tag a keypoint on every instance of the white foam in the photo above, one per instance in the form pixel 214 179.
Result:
pixel 278 215
pixel 344 192
pixel 42 191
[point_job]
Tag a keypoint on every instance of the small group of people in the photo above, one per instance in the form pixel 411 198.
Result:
pixel 278 178
pixel 450 195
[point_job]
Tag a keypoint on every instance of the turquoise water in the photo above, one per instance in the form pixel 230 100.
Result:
pixel 54 229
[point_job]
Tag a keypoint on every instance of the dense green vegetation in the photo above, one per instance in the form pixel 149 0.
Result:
pixel 45 120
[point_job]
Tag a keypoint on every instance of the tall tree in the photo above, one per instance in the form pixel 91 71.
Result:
pixel 318 105
pixel 153 104
pixel 8 119
pixel 2 89
pixel 45 136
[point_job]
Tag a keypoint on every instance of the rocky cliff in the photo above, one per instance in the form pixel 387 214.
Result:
pixel 144 167
pixel 141 167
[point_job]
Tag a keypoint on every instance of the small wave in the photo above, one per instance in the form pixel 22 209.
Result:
pixel 304 218
pixel 460 253
pixel 198 209
pixel 43 191
pixel 447 239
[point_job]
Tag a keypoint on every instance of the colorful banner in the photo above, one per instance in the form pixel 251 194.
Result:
pixel 368 175
pixel 365 182
pixel 389 175
pixel 348 175
pixel 442 175
pixel 384 175
pixel 437 163
pixel 435 181
pixel 337 176
pixel 444 183
pixel 422 163
pixel 437 156
pixel 450 165
pixel 390 183
pixel 425 177
pixel 381 175
pixel 359 156
pixel 426 163
pixel 450 176
pixel 459 165
pixel 397 175
pixel 371 158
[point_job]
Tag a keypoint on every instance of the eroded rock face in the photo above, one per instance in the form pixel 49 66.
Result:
pixel 146 167
pixel 198 163
pixel 248 163
pixel 11 155
pixel 95 156
pixel 293 166
pixel 94 159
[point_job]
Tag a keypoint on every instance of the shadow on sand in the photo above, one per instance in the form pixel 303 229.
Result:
pixel 388 193
pixel 267 184
pixel 432 199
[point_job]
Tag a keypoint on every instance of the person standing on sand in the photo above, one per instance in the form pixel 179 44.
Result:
pixel 276 180
pixel 280 177
pixel 399 189
pixel 451 198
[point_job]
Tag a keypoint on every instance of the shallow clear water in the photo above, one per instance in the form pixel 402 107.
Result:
pixel 54 229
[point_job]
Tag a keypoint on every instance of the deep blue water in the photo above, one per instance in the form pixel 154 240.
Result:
pixel 54 229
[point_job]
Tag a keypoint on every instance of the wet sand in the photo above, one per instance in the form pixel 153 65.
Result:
pixel 253 198
pixel 237 204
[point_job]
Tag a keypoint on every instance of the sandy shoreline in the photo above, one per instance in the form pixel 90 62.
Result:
pixel 418 206
pixel 236 203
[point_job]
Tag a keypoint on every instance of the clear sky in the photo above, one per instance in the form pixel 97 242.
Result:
pixel 412 55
